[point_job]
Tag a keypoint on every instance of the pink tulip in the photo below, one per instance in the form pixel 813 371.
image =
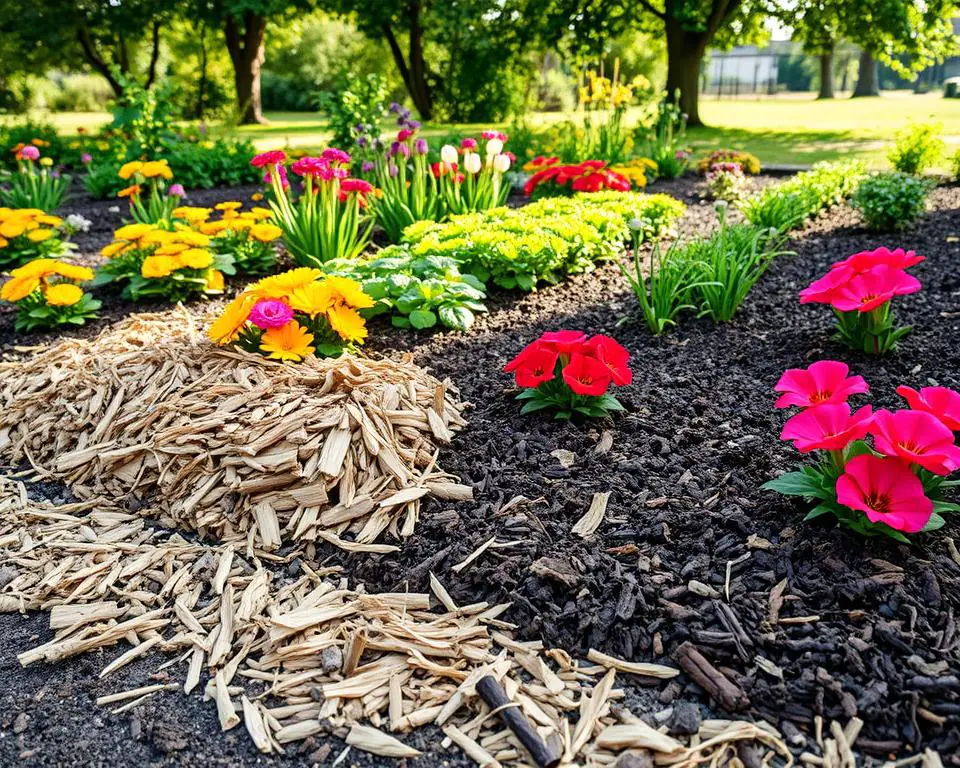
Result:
pixel 886 491
pixel 824 382
pixel 827 427
pixel 917 437
pixel 864 261
pixel 869 290
pixel 942 402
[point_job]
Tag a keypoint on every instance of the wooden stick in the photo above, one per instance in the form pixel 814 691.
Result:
pixel 496 698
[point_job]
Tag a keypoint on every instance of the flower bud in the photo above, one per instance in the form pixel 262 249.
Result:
pixel 494 147
pixel 420 146
pixel 448 154
pixel 501 163
pixel 472 162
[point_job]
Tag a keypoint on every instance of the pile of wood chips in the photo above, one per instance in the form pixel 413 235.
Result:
pixel 294 657
pixel 230 444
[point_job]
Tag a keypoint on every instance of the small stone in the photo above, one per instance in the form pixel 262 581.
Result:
pixel 685 719
pixel 331 658
pixel 566 458
pixel 20 724
pixel 640 758
pixel 7 574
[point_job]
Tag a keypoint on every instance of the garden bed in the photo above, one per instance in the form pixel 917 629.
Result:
pixel 690 550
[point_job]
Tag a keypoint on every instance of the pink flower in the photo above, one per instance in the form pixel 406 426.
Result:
pixel 614 356
pixel 917 437
pixel 822 291
pixel 177 190
pixel 30 152
pixel 86 158
pixel 867 260
pixel 470 145
pixel 493 135
pixel 942 402
pixel 826 427
pixel 270 313
pixel 356 185
pixel 886 491
pixel 312 166
pixel 586 375
pixel 825 381
pixel 334 155
pixel 274 157
pixel 869 290
pixel 404 134
pixel 281 174
pixel 564 342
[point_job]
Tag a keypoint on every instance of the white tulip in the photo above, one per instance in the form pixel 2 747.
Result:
pixel 448 154
pixel 472 162
pixel 494 147
pixel 501 163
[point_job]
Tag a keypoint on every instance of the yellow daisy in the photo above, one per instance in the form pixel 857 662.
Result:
pixel 158 266
pixel 265 233
pixel 17 288
pixel 229 205
pixel 288 342
pixel 39 235
pixel 347 323
pixel 128 169
pixel 227 327
pixel 349 292
pixel 133 231
pixel 283 285
pixel 72 271
pixel 63 294
pixel 196 258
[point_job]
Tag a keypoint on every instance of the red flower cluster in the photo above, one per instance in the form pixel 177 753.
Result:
pixel 885 482
pixel 588 176
pixel 588 366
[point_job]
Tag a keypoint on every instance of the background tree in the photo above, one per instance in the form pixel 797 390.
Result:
pixel 820 26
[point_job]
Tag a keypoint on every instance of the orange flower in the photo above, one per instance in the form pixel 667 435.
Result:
pixel 132 191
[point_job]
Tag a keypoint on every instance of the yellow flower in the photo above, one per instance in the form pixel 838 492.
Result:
pixel 72 271
pixel 128 169
pixel 347 323
pixel 131 191
pixel 283 285
pixel 168 248
pixel 227 327
pixel 261 213
pixel 214 282
pixel 37 268
pixel 133 231
pixel 349 292
pixel 312 299
pixel 39 235
pixel 17 288
pixel 50 221
pixel 212 228
pixel 155 169
pixel 265 232
pixel 63 294
pixel 109 251
pixel 191 237
pixel 158 266
pixel 229 205
pixel 191 213
pixel 46 162
pixel 196 258
pixel 4 242
pixel 12 228
pixel 256 197
pixel 288 342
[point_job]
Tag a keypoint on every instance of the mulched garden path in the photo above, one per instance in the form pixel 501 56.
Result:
pixel 690 550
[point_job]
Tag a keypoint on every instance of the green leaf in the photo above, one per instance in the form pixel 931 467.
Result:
pixel 535 405
pixel 933 523
pixel 459 318
pixel 817 511
pixel 400 321
pixel 941 507
pixel 796 484
pixel 423 318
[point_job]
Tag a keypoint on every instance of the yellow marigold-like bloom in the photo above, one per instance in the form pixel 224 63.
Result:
pixel 170 248
pixel 39 143
pixel 261 214
pixel 4 242
pixel 192 237
pixel 288 342
pixel 50 221
pixel 156 169
pixel 265 233
pixel 313 299
pixel 282 285
pixel 72 271
pixel 39 235
pixel 212 228
pixel 349 292
pixel 46 162
pixel 17 288
pixel 229 205
pixel 133 231
pixel 214 282
pixel 111 250
pixel 63 294
pixel 256 197
pixel 131 191
pixel 191 213
pixel 37 268
pixel 239 223
pixel 227 327
pixel 347 324
pixel 12 228
pixel 158 266
pixel 128 169
pixel 196 258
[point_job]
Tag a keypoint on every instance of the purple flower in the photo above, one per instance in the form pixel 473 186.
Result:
pixel 394 148
pixel 270 313
pixel 86 158
pixel 177 190
pixel 367 166
pixel 361 141
pixel 394 107
pixel 421 146
pixel 393 169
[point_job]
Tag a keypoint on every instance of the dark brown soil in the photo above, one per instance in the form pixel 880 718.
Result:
pixel 684 468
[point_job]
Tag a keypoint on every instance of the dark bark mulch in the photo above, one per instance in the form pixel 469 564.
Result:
pixel 874 623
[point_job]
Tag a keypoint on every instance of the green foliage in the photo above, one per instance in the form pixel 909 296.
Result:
pixel 663 141
pixel 204 164
pixel 417 292
pixel 773 208
pixel 917 148
pixel 183 284
pixel 649 216
pixel 144 116
pixel 33 187
pixel 26 132
pixel 748 163
pixel 34 313
pixel 361 101
pixel 891 202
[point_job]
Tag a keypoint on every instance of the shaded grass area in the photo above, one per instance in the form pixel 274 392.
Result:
pixel 794 129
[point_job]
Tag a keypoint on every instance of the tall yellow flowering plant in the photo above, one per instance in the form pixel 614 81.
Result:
pixel 605 102
pixel 160 200
pixel 295 314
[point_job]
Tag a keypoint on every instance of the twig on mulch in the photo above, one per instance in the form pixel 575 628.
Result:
pixel 712 680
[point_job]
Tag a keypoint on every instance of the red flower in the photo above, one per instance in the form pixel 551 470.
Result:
pixel 886 491
pixel 864 261
pixel 823 382
pixel 356 185
pixel 404 134
pixel 826 427
pixel 274 157
pixel 869 290
pixel 537 367
pixel 442 169
pixel 586 375
pixel 614 356
pixel 942 402
pixel 563 342
pixel 917 437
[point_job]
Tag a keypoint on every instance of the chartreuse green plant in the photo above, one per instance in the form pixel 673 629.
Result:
pixel 416 291
pixel 892 201
pixel 917 148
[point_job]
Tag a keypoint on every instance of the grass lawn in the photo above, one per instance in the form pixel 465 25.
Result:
pixel 794 129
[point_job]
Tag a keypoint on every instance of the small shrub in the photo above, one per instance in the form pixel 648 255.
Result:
pixel 356 111
pixel 772 208
pixel 664 141
pixel 35 184
pixel 748 163
pixel 725 181
pixel 891 202
pixel 917 148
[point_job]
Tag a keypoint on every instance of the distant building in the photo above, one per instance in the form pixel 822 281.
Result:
pixel 747 68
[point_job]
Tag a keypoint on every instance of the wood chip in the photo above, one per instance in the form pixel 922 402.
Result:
pixel 589 523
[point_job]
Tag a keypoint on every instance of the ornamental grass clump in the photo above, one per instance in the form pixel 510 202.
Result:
pixel 47 295
pixel 859 290
pixel 151 200
pixel 891 202
pixel 30 233
pixel 327 218
pixel 246 236
pixel 295 314
pixel 154 262
pixel 35 183
pixel 569 374
pixel 892 487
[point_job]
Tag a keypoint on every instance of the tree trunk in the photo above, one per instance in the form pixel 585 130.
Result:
pixel 245 44
pixel 826 75
pixel 684 54
pixel 413 67
pixel 867 79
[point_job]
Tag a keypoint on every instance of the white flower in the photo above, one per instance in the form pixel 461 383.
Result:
pixel 494 147
pixel 448 154
pixel 77 223
pixel 501 163
pixel 472 162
